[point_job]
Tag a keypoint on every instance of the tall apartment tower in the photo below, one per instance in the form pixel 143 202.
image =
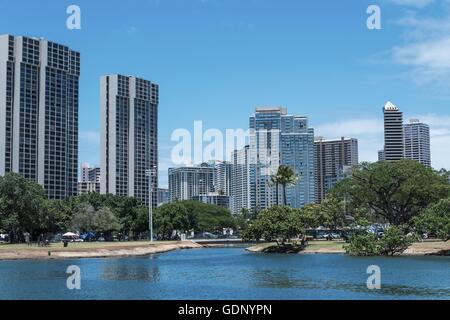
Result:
pixel 393 133
pixel 223 177
pixel 129 137
pixel 241 196
pixel 417 142
pixel 277 138
pixel 39 113
pixel 84 170
pixel 333 159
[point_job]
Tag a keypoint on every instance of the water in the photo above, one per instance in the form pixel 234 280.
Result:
pixel 228 273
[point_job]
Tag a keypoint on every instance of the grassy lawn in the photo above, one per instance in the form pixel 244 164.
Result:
pixel 325 245
pixel 81 246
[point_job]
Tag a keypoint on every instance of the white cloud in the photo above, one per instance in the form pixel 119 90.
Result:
pixel 350 128
pixel 426 47
pixel 411 3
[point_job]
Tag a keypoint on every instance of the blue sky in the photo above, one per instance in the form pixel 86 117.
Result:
pixel 216 60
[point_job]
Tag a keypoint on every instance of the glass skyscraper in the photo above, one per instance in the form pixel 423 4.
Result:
pixel 39 113
pixel 277 138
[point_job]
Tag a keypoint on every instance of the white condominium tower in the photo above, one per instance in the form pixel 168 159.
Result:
pixel 186 183
pixel 129 136
pixel 417 142
pixel 39 113
pixel 241 193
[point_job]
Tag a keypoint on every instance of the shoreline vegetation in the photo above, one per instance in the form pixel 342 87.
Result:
pixel 136 249
pixel 426 248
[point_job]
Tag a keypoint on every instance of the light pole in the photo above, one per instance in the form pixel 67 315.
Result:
pixel 150 174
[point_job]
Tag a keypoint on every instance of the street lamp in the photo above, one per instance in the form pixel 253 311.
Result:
pixel 150 174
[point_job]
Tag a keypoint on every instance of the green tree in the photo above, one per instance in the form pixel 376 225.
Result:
pixel 170 217
pixel 106 221
pixel 435 220
pixel 140 223
pixel 364 244
pixel 309 216
pixel 55 216
pixel 395 191
pixel 21 204
pixel 278 223
pixel 83 219
pixel 284 177
pixel 332 213
pixel 395 241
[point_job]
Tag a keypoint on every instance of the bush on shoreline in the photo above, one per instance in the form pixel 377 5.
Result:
pixel 395 241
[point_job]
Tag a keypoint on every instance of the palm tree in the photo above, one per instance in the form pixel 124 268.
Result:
pixel 285 177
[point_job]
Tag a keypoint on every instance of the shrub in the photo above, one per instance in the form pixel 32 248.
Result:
pixel 363 245
pixel 395 241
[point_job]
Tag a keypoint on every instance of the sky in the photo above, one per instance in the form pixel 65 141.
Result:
pixel 216 60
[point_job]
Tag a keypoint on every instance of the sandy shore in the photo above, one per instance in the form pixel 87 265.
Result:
pixel 107 251
pixel 434 248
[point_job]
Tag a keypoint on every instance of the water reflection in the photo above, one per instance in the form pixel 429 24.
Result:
pixel 267 278
pixel 228 273
pixel 125 272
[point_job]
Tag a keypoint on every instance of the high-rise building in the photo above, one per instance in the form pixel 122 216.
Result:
pixel 129 137
pixel 241 193
pixel 89 173
pixel 393 133
pixel 94 174
pixel 163 196
pixel 84 171
pixel 85 187
pixel 381 155
pixel 90 179
pixel 417 142
pixel 39 113
pixel 223 177
pixel 214 199
pixel 185 183
pixel 333 159
pixel 277 138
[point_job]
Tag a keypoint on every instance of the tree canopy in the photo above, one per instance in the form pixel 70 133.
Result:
pixel 278 223
pixel 185 216
pixel 394 191
pixel 435 220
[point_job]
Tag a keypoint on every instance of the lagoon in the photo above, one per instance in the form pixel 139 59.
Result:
pixel 228 273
